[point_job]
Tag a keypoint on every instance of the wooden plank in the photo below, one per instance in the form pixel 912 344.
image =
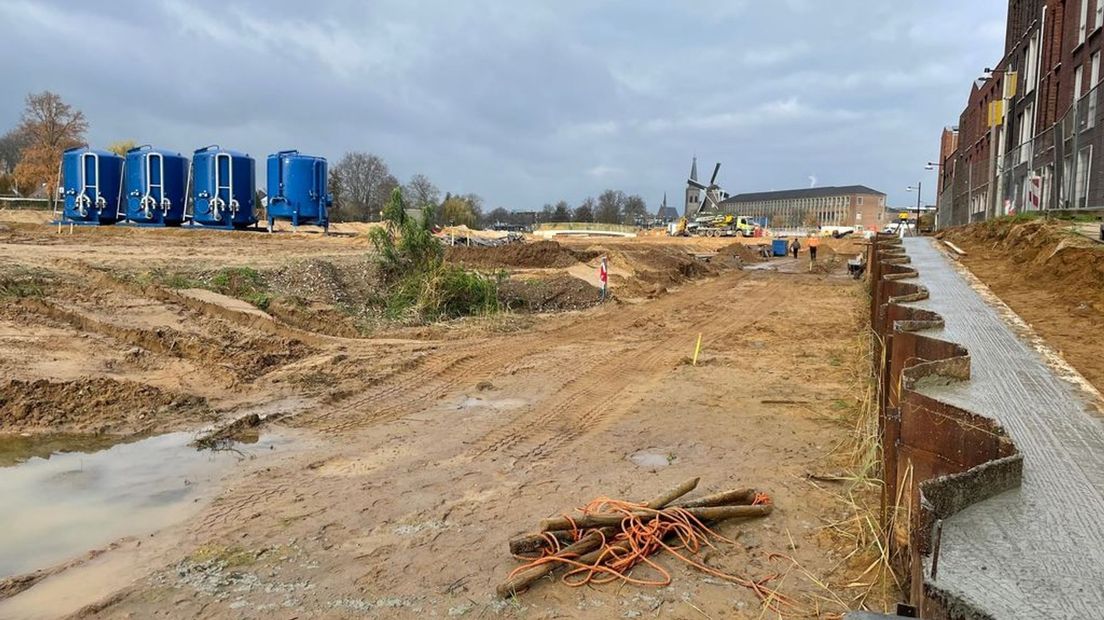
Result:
pixel 954 247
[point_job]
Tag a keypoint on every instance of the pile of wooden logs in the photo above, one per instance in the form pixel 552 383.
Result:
pixel 596 538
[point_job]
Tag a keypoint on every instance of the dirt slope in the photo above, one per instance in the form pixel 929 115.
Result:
pixel 1050 276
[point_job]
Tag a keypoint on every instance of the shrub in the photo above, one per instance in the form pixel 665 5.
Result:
pixel 412 267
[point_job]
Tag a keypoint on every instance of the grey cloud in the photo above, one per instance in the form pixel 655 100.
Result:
pixel 524 103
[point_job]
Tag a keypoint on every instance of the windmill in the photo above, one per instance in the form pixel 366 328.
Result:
pixel 712 193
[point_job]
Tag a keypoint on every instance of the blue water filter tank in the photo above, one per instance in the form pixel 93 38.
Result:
pixel 91 182
pixel 155 186
pixel 297 189
pixel 224 185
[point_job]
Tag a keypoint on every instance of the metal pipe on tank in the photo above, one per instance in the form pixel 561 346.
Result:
pixel 188 191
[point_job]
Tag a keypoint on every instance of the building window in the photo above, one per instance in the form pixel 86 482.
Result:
pixel 1099 14
pixel 1026 132
pixel 1031 62
pixel 1094 81
pixel 1083 31
pixel 1081 187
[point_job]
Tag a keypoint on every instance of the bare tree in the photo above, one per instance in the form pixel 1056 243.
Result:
pixel 11 148
pixel 475 203
pixel 420 192
pixel 363 183
pixel 498 216
pixel 562 212
pixel 49 121
pixel 635 210
pixel 50 126
pixel 585 211
pixel 610 203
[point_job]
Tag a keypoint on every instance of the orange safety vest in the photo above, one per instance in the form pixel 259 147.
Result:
pixel 814 242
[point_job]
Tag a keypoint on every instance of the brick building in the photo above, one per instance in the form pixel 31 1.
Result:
pixel 854 205
pixel 1039 148
pixel 948 146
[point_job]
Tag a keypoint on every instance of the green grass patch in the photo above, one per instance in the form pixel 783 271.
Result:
pixel 19 289
pixel 20 283
pixel 181 281
pixel 244 283
pixel 419 285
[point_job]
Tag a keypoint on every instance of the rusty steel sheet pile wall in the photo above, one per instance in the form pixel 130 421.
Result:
pixel 938 458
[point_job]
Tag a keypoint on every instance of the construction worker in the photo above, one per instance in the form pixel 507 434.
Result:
pixel 603 279
pixel 795 247
pixel 814 243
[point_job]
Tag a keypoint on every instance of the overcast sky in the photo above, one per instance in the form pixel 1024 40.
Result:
pixel 525 102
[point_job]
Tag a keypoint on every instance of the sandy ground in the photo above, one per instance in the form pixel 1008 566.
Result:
pixel 425 450
pixel 1049 277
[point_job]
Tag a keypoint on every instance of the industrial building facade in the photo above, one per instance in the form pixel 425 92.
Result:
pixel 1030 137
pixel 854 205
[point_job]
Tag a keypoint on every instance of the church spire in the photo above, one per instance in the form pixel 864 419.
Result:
pixel 694 170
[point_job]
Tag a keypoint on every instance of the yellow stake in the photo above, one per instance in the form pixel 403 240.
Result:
pixel 697 349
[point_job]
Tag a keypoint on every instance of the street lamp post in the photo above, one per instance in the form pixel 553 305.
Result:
pixel 918 189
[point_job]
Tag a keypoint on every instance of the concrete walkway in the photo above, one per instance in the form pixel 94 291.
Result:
pixel 1037 551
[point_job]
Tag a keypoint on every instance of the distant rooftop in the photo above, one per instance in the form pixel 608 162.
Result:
pixel 813 192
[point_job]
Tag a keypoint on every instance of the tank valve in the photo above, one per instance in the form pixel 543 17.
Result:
pixel 148 204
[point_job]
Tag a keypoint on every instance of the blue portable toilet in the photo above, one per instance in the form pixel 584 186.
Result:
pixel 155 186
pixel 224 188
pixel 780 247
pixel 297 189
pixel 91 184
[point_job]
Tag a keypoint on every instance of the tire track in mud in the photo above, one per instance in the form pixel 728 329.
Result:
pixel 413 391
pixel 238 507
pixel 595 394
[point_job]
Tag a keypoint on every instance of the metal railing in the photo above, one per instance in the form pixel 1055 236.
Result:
pixel 1058 170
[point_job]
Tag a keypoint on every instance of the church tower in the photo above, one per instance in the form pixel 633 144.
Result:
pixel 693 194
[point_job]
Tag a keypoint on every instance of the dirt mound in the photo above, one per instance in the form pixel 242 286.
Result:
pixel 649 271
pixel 746 253
pixel 828 262
pixel 325 281
pixel 1068 262
pixel 660 270
pixel 541 255
pixel 1050 275
pixel 557 293
pixel 95 405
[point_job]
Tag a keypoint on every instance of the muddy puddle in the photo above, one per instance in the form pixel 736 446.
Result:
pixel 68 495
pixel 650 459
